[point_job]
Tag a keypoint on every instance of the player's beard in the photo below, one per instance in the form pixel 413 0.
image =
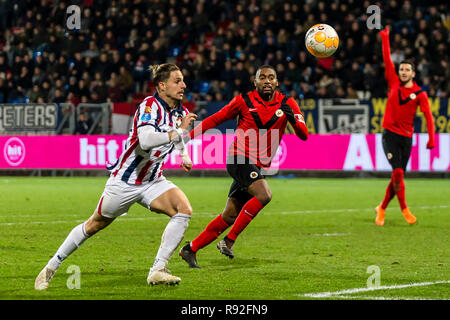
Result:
pixel 175 99
pixel 406 81
pixel 266 95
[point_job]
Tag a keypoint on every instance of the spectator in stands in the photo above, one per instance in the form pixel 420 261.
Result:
pixel 35 94
pixel 115 93
pixel 84 123
pixel 135 34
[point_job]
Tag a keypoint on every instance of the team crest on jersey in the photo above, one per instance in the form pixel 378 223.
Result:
pixel 178 121
pixel 279 113
pixel 253 174
pixel 412 96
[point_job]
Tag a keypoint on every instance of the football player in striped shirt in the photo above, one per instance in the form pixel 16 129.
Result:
pixel 403 99
pixel 137 177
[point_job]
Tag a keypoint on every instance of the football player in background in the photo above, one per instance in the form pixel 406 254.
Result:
pixel 404 97
pixel 137 177
pixel 262 119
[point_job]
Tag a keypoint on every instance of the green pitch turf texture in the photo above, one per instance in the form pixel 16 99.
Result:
pixel 316 236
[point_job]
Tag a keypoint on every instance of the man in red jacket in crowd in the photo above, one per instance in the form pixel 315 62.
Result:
pixel 403 99
pixel 262 119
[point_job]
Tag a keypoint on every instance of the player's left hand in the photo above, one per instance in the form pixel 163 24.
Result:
pixel 288 112
pixel 187 166
pixel 430 144
pixel 186 121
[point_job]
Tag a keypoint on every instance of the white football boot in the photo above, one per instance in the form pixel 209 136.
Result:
pixel 43 279
pixel 162 276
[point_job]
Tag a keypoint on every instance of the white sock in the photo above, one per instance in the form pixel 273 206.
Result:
pixel 75 239
pixel 171 238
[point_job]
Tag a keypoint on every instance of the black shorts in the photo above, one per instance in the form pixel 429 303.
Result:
pixel 397 149
pixel 244 173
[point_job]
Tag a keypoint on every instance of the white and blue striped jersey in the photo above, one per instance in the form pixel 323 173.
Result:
pixel 138 166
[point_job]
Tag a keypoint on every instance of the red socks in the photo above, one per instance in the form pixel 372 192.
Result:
pixel 218 225
pixel 395 187
pixel 399 187
pixel 390 193
pixel 212 231
pixel 248 212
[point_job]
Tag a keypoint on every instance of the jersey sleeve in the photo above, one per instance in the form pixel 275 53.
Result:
pixel 299 126
pixel 150 114
pixel 389 68
pixel 228 112
pixel 426 110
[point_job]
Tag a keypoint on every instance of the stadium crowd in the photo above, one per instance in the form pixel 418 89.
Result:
pixel 217 43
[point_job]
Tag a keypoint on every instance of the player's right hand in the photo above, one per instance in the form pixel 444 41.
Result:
pixel 430 144
pixel 385 32
pixel 186 121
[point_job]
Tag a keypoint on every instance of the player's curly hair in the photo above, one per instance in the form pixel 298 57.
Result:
pixel 161 72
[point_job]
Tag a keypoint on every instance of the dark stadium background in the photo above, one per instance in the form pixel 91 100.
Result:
pixel 218 45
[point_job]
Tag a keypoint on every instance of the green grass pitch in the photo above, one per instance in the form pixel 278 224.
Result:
pixel 317 236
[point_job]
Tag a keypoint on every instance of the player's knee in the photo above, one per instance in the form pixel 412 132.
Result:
pixel 92 226
pixel 229 216
pixel 397 179
pixel 265 197
pixel 184 208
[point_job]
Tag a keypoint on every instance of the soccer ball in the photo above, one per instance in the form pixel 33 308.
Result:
pixel 321 40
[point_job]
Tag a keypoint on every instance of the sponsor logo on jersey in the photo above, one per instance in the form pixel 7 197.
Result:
pixel 148 109
pixel 299 118
pixel 178 122
pixel 146 117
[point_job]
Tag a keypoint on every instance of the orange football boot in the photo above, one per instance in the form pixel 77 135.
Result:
pixel 380 215
pixel 408 216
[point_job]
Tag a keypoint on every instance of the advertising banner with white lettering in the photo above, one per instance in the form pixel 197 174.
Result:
pixel 28 117
pixel 320 152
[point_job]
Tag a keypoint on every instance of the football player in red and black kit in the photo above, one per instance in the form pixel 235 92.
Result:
pixel 403 99
pixel 262 115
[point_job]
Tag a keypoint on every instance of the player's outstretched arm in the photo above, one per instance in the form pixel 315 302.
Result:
pixel 230 111
pixel 295 118
pixel 426 110
pixel 389 68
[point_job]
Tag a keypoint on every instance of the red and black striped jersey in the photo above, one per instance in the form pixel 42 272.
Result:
pixel 260 125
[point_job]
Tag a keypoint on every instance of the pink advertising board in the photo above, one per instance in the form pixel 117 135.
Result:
pixel 319 152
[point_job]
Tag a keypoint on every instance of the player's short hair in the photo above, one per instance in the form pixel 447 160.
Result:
pixel 161 72
pixel 410 62
pixel 266 66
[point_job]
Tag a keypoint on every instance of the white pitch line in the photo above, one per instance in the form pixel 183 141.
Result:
pixel 158 216
pixel 336 294
pixel 380 298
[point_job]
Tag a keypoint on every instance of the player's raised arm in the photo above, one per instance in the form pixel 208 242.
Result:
pixel 295 118
pixel 230 111
pixel 425 108
pixel 389 71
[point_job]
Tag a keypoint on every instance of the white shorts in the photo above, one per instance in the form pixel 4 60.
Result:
pixel 118 196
